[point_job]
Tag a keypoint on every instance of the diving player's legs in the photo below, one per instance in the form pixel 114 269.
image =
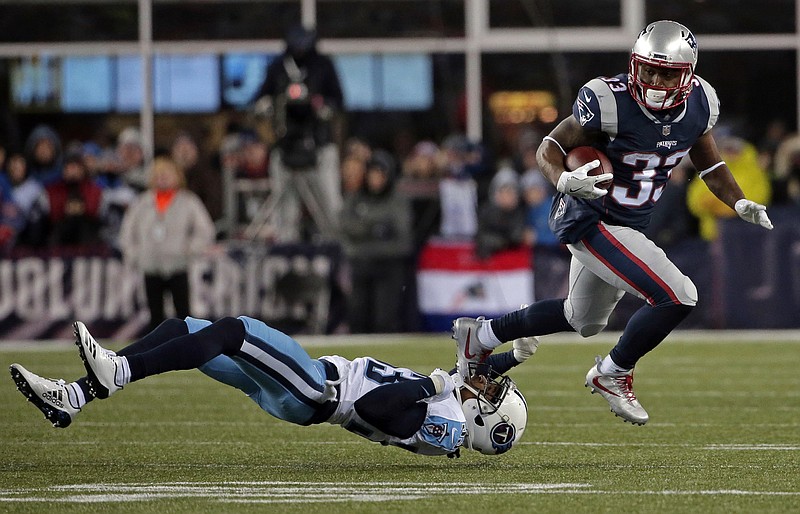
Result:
pixel 59 401
pixel 267 365
pixel 291 385
pixel 107 372
pixel 169 329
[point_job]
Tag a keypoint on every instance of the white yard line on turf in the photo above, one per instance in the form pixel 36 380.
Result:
pixel 320 492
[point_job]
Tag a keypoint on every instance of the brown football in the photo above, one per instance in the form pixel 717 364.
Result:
pixel 580 155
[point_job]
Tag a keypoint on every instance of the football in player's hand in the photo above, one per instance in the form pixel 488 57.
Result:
pixel 580 155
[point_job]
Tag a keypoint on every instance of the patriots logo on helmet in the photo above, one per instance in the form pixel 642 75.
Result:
pixel 690 40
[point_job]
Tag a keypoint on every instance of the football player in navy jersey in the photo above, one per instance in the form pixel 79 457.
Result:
pixel 645 121
pixel 429 415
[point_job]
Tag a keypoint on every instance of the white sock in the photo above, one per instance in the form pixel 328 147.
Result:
pixel 123 374
pixel 609 366
pixel 486 337
pixel 75 394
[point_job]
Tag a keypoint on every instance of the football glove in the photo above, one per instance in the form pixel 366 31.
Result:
pixel 753 212
pixel 443 383
pixel 524 348
pixel 579 183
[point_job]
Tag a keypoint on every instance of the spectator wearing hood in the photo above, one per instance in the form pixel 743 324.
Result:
pixel 28 194
pixel 377 238
pixel 458 189
pixel 44 154
pixel 74 205
pixel 118 195
pixel 420 183
pixel 501 222
pixel 201 178
pixel 130 158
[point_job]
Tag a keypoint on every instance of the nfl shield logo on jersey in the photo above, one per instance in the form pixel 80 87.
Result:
pixel 666 129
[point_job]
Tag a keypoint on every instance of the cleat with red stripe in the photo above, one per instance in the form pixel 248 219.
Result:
pixel 468 348
pixel 617 389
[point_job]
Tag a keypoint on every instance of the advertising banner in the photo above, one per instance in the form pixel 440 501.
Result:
pixel 289 286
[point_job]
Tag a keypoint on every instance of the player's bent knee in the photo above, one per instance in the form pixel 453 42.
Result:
pixel 173 324
pixel 590 329
pixel 231 332
pixel 690 296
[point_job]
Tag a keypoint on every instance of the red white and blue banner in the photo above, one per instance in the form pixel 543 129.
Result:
pixel 452 281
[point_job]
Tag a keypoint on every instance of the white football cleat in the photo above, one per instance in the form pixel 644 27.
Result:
pixel 101 364
pixel 49 396
pixel 468 348
pixel 617 389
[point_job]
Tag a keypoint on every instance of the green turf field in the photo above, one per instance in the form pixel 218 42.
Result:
pixel 723 436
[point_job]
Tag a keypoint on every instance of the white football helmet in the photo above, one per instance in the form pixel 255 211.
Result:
pixel 497 414
pixel 663 44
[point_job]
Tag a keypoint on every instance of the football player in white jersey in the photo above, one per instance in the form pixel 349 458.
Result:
pixel 645 121
pixel 429 415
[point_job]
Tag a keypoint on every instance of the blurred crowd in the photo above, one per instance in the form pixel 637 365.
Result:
pixel 68 194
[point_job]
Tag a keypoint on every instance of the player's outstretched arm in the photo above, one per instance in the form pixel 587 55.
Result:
pixel 523 349
pixel 396 409
pixel 720 181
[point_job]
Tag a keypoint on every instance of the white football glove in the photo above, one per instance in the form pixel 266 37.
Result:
pixel 443 383
pixel 579 183
pixel 753 212
pixel 525 347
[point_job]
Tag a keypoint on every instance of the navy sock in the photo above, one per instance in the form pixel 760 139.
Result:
pixel 169 329
pixel 645 330
pixel 541 318
pixel 81 382
pixel 190 351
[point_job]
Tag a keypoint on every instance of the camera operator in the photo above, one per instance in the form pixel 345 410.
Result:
pixel 301 96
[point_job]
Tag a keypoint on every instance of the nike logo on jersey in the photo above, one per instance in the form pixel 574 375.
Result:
pixel 587 97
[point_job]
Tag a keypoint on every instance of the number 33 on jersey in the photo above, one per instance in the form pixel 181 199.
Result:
pixel 642 145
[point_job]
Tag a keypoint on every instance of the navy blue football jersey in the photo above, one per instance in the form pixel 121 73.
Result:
pixel 643 147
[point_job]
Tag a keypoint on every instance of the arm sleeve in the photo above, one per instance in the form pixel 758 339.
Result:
pixel 500 362
pixel 395 409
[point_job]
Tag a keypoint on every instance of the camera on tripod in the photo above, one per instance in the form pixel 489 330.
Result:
pixel 300 122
